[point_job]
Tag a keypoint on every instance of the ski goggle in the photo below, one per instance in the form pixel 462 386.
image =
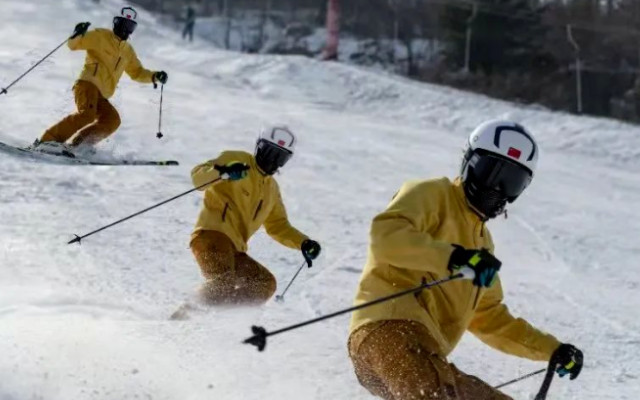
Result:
pixel 499 174
pixel 127 25
pixel 272 154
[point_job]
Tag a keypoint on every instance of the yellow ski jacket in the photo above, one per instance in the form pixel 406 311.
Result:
pixel 108 57
pixel 239 208
pixel 411 241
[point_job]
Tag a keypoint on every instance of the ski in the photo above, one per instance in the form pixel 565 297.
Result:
pixel 136 162
pixel 67 160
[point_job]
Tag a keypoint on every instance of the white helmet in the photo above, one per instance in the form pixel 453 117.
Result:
pixel 275 146
pixel 499 163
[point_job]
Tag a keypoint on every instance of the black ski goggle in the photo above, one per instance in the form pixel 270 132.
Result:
pixel 272 153
pixel 127 25
pixel 500 174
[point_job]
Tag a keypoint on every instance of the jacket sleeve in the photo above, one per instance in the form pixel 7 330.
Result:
pixel 278 227
pixel 136 71
pixel 206 172
pixel 400 235
pixel 495 326
pixel 87 42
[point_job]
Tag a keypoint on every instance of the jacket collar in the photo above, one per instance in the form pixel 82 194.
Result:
pixel 116 38
pixel 254 165
pixel 469 214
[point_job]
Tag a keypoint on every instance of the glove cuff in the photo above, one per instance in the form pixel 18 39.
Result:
pixel 458 259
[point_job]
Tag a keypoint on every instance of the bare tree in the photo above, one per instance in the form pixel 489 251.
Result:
pixel 264 18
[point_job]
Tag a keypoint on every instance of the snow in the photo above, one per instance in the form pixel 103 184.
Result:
pixel 90 321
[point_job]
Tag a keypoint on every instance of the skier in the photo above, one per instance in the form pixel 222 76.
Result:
pixel 247 198
pixel 109 55
pixel 431 230
pixel 190 23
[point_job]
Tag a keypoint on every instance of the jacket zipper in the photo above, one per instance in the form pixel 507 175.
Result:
pixel 224 212
pixel 96 70
pixel 477 298
pixel 118 63
pixel 475 302
pixel 257 210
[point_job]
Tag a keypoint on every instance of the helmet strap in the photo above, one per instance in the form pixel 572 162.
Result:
pixel 482 217
pixel 260 170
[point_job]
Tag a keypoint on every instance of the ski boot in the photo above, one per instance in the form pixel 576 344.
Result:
pixel 52 148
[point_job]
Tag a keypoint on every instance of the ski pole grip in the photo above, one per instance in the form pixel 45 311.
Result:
pixel 467 273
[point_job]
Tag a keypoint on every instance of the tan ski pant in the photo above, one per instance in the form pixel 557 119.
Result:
pixel 395 360
pixel 94 121
pixel 231 277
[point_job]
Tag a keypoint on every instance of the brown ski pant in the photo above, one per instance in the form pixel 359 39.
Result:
pixel 395 360
pixel 94 121
pixel 231 277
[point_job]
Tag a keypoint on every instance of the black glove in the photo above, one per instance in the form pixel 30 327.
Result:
pixel 480 266
pixel 80 29
pixel 233 171
pixel 161 77
pixel 310 250
pixel 567 359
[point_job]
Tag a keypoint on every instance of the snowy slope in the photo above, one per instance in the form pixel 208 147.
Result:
pixel 90 322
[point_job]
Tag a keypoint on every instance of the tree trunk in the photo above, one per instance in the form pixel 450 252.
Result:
pixel 227 17
pixel 264 18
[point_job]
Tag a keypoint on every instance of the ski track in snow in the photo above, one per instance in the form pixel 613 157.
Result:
pixel 90 321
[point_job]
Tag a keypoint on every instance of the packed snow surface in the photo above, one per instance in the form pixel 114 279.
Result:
pixel 91 321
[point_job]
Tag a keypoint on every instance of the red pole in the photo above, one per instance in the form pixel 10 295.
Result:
pixel 333 30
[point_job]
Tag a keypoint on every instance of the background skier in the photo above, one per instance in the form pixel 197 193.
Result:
pixel 431 230
pixel 109 55
pixel 234 209
pixel 190 23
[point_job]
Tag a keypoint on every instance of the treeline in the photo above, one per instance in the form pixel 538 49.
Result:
pixel 523 50
pixel 576 55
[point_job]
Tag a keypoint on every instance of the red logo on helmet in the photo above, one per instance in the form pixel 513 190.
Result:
pixel 281 142
pixel 514 153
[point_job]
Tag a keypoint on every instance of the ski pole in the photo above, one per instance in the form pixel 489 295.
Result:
pixel 159 134
pixel 6 89
pixel 281 296
pixel 79 238
pixel 523 377
pixel 546 384
pixel 260 334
